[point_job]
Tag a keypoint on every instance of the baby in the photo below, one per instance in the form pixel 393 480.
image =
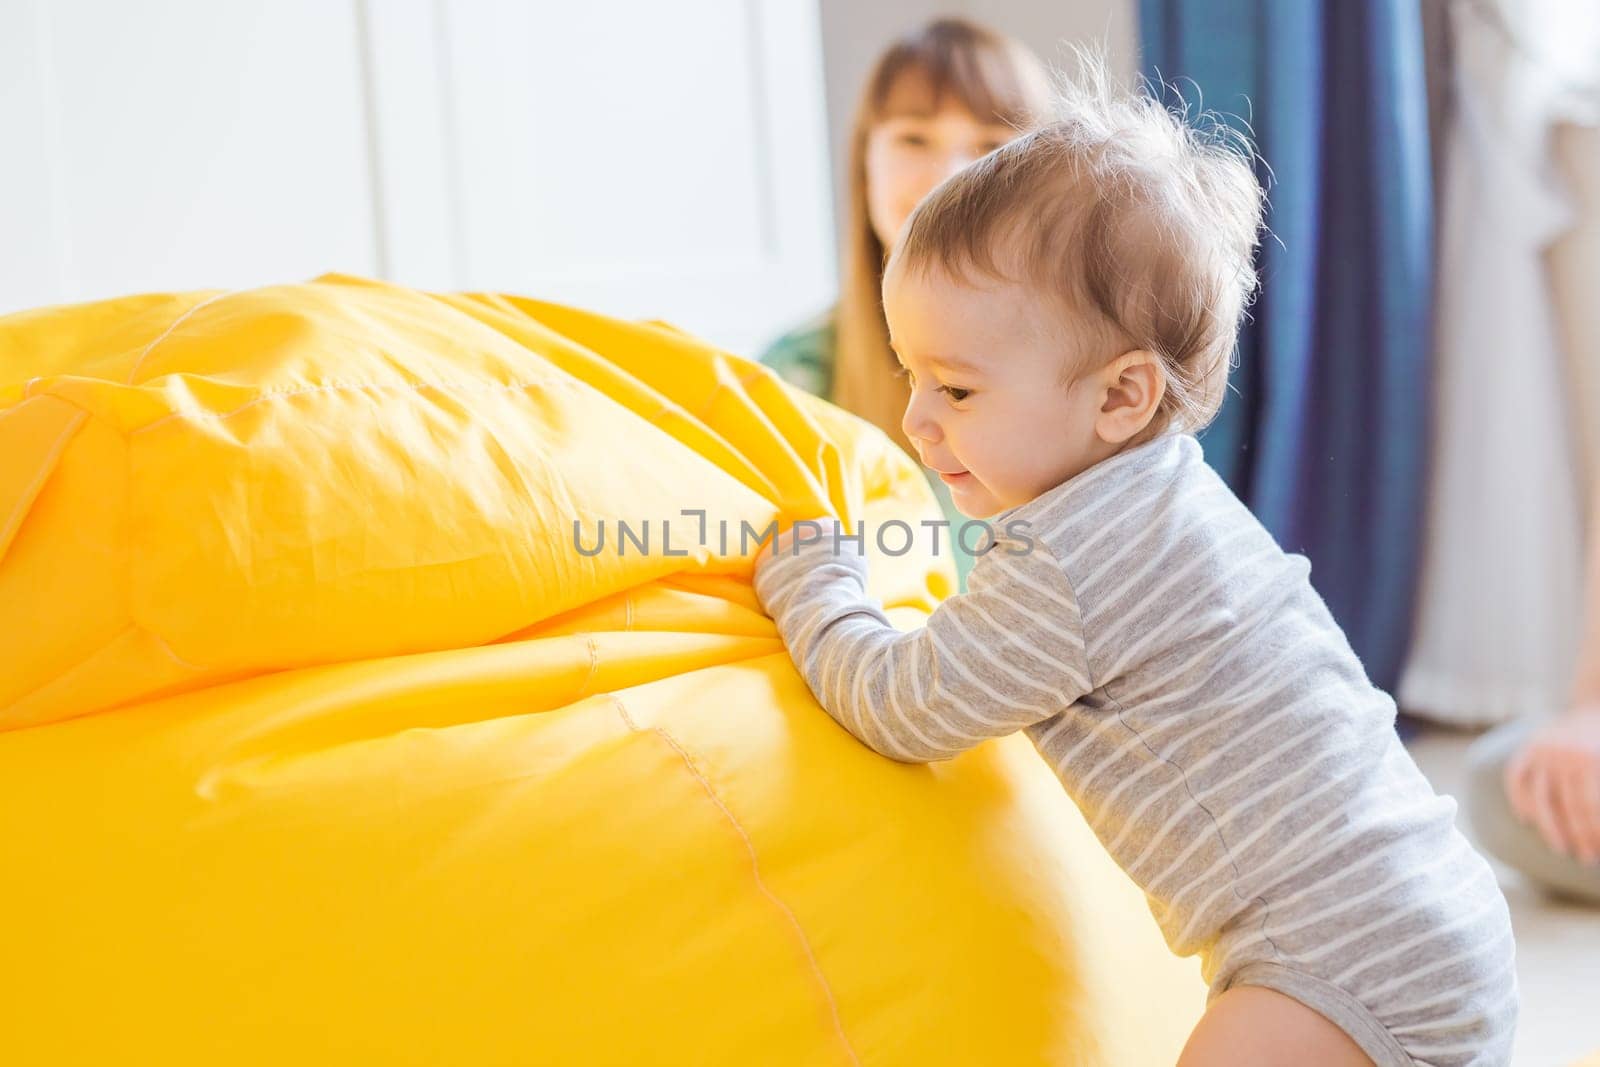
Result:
pixel 1065 309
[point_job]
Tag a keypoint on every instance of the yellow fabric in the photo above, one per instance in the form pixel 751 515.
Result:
pixel 320 742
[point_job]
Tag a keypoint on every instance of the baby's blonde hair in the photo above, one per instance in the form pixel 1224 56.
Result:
pixel 1141 223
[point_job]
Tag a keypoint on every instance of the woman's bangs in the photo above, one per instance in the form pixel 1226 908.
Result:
pixel 919 80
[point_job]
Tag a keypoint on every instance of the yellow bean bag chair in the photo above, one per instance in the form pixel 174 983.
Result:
pixel 327 738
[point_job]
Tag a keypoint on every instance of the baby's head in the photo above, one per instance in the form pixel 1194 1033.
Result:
pixel 1072 294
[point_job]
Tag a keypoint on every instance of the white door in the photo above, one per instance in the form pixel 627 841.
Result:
pixel 180 144
pixel 642 159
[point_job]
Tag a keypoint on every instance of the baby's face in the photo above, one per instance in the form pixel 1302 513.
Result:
pixel 987 408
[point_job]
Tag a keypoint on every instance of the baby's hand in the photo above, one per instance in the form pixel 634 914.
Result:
pixel 776 556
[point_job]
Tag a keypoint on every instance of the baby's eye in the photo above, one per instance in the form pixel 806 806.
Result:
pixel 913 140
pixel 958 395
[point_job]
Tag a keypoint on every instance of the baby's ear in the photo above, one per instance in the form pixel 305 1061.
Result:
pixel 1134 384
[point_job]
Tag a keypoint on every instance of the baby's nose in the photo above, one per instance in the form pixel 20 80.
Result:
pixel 918 427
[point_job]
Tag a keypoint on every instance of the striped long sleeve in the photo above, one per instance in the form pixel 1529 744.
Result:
pixel 1005 655
pixel 1198 702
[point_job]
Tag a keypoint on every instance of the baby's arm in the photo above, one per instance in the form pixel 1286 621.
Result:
pixel 1005 654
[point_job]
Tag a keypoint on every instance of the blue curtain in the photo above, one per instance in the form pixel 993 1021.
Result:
pixel 1324 432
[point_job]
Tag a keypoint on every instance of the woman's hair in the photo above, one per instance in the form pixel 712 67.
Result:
pixel 994 77
pixel 1138 226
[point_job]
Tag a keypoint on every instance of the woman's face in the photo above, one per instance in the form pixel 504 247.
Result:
pixel 918 146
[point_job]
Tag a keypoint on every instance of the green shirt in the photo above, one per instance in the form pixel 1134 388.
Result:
pixel 803 357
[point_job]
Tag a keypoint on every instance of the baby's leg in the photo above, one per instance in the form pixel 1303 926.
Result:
pixel 1251 1026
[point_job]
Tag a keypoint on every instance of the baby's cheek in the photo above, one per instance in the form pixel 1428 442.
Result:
pixel 1017 461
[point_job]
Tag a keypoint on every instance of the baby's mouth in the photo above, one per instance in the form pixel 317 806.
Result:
pixel 949 477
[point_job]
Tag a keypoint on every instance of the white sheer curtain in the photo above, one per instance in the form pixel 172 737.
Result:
pixel 1498 613
pixel 1575 269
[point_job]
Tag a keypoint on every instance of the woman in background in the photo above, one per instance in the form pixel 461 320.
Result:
pixel 934 101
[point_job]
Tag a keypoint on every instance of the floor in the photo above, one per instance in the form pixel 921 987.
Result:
pixel 1558 944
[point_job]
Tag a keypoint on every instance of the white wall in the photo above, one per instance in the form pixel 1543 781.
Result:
pixel 178 145
pixel 643 159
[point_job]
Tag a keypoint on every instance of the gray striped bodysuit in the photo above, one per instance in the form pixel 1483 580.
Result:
pixel 1205 712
